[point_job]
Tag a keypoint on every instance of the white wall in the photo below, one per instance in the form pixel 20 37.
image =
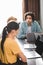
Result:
pixel 9 8
pixel 41 12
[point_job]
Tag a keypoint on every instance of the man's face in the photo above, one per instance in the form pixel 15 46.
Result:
pixel 29 19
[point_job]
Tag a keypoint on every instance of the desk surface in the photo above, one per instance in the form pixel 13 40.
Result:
pixel 33 58
pixel 29 45
pixel 30 54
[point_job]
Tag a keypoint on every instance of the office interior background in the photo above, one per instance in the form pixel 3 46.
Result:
pixel 17 8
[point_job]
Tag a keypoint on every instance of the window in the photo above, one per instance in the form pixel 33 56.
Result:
pixel 9 8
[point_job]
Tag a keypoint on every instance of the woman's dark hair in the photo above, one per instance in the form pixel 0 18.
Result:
pixel 7 29
pixel 30 14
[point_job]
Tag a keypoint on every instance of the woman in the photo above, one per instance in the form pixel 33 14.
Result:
pixel 10 51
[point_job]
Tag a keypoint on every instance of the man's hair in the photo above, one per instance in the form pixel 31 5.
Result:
pixel 30 14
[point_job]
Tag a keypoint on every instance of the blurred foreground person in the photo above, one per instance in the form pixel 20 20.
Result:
pixel 10 52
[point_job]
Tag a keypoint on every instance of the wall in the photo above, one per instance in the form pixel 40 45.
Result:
pixel 41 12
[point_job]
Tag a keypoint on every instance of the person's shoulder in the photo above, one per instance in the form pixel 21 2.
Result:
pixel 23 23
pixel 10 41
pixel 35 22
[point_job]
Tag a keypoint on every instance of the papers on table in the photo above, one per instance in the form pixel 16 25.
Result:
pixel 31 54
pixel 29 45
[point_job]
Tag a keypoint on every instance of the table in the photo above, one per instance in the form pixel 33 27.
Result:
pixel 33 58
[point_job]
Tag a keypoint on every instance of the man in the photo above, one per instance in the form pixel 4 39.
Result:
pixel 29 25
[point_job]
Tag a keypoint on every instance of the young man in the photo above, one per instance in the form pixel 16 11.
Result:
pixel 29 25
